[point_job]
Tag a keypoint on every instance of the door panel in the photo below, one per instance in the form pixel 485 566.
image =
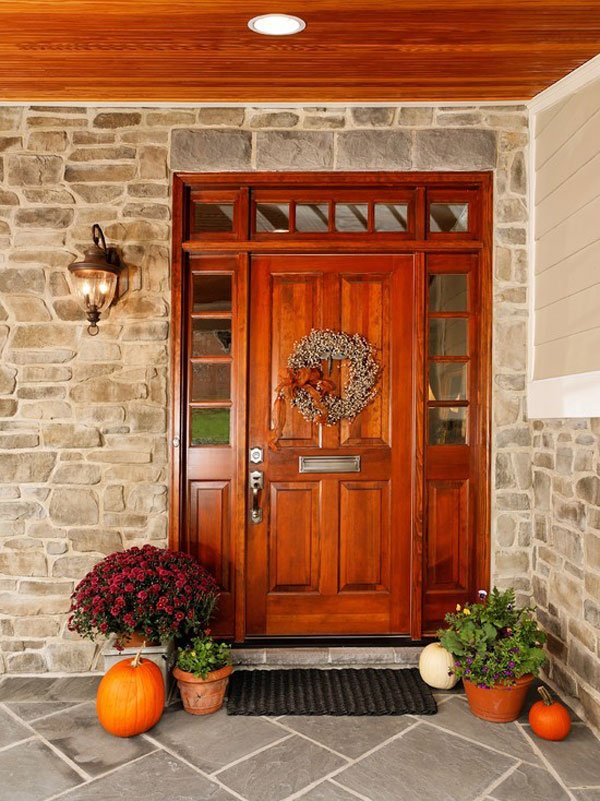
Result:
pixel 364 536
pixel 295 309
pixel 365 303
pixel 209 512
pixel 332 553
pixel 295 537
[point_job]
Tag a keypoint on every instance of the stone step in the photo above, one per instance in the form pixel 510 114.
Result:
pixel 391 657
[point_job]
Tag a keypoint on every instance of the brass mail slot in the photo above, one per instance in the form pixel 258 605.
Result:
pixel 329 464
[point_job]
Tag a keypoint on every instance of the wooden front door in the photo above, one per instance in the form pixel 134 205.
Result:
pixel 332 553
pixel 258 261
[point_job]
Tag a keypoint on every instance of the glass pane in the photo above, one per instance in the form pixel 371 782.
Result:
pixel 391 217
pixel 210 427
pixel 448 337
pixel 211 382
pixel 448 292
pixel 211 337
pixel 212 293
pixel 447 381
pixel 313 217
pixel 449 217
pixel 351 217
pixel 213 217
pixel 273 217
pixel 448 426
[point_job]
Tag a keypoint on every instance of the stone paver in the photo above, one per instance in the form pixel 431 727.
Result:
pixel 533 784
pixel 60 753
pixel 576 759
pixel 425 763
pixel 281 771
pixel 32 772
pixel 350 736
pixel 156 777
pixel 77 734
pixel 454 716
pixel 11 731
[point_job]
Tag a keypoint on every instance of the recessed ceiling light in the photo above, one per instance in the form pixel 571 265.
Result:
pixel 276 24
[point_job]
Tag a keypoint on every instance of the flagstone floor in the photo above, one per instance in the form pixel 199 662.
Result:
pixel 52 747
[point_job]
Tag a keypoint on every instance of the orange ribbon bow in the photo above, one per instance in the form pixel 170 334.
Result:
pixel 311 380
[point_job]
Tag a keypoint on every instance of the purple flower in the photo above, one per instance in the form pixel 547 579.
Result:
pixel 511 664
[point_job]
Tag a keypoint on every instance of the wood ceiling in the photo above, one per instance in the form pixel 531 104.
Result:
pixel 351 50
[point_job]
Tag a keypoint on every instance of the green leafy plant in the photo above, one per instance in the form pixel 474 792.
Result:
pixel 203 656
pixel 493 642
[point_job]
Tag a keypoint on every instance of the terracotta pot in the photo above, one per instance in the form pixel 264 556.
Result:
pixel 498 704
pixel 136 640
pixel 203 696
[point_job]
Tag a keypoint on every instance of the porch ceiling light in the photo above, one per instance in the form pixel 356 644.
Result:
pixel 276 24
pixel 95 278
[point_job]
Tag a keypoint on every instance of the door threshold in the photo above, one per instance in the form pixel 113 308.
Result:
pixel 362 641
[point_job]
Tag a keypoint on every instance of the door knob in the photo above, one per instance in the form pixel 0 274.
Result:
pixel 257 483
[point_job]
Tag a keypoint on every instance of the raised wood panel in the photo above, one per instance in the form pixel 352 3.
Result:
pixel 211 527
pixel 363 51
pixel 447 548
pixel 294 537
pixel 365 310
pixel 364 536
pixel 295 310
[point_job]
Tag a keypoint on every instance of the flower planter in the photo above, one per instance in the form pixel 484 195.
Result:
pixel 203 696
pixel 498 704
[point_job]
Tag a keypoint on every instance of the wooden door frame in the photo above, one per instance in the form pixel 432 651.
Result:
pixel 182 247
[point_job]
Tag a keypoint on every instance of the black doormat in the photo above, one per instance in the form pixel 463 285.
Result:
pixel 311 691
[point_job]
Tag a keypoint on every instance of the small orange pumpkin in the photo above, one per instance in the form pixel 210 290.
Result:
pixel 549 719
pixel 131 697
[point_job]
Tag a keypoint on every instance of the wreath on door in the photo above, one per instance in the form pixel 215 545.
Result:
pixel 305 387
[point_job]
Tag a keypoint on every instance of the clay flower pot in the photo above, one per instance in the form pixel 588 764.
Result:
pixel 137 640
pixel 498 704
pixel 203 696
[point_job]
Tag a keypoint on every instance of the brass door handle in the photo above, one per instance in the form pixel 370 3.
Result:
pixel 257 483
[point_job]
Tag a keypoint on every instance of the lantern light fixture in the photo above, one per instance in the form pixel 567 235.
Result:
pixel 96 278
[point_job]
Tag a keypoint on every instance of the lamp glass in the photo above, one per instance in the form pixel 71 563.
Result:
pixel 96 288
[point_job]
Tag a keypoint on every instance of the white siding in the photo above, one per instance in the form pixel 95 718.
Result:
pixel 567 236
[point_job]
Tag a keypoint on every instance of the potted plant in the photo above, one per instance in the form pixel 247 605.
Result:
pixel 144 594
pixel 202 671
pixel 497 652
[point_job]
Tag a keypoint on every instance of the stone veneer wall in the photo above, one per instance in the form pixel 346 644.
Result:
pixel 83 468
pixel 566 553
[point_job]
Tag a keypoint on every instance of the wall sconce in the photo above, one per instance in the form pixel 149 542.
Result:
pixel 97 278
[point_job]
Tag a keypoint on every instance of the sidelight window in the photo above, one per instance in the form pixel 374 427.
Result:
pixel 448 363
pixel 210 359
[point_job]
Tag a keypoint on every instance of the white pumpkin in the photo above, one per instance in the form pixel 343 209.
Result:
pixel 435 664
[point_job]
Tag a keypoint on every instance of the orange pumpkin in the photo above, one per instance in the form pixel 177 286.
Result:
pixel 549 719
pixel 131 697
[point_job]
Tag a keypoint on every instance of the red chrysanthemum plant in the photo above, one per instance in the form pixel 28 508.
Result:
pixel 152 592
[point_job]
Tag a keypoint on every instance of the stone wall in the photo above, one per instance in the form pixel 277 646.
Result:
pixel 83 469
pixel 566 553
